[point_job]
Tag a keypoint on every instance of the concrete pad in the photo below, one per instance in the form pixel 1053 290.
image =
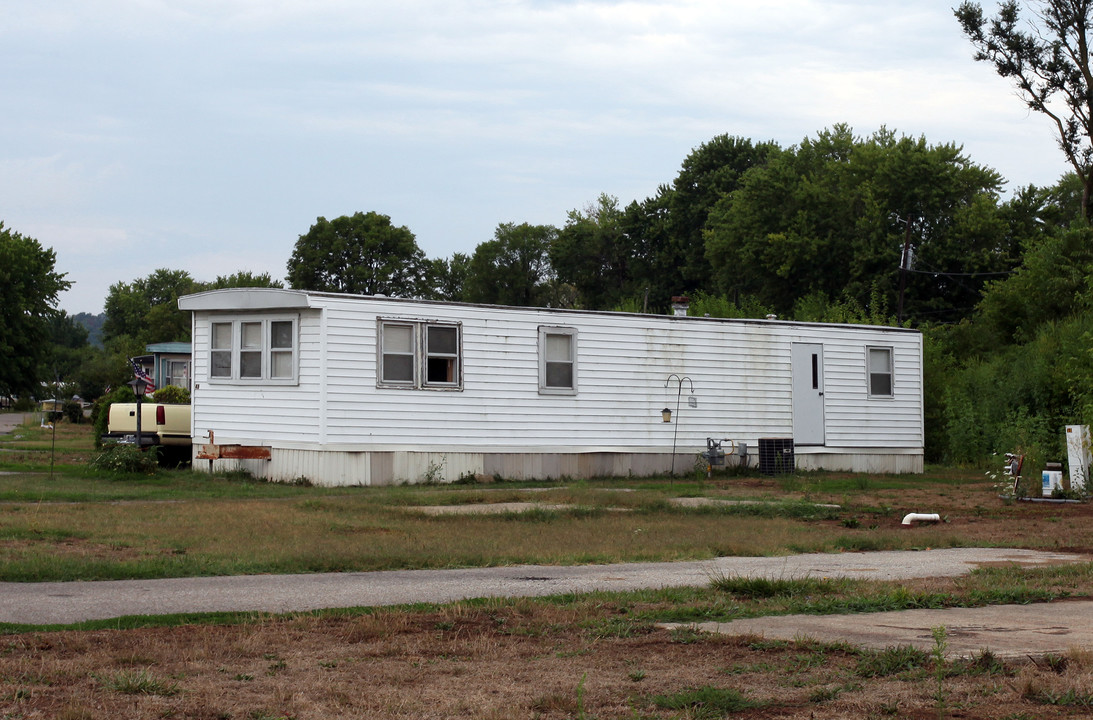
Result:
pixel 1006 630
pixel 708 501
pixel 483 508
pixel 10 421
pixel 529 490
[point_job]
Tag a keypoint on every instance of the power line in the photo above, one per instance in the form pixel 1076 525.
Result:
pixel 966 274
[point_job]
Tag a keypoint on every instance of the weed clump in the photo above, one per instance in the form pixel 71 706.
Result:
pixel 891 661
pixel 139 682
pixel 127 459
pixel 706 702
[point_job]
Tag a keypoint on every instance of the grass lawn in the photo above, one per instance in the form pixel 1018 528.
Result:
pixel 589 656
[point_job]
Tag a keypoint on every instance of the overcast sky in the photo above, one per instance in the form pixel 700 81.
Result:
pixel 208 135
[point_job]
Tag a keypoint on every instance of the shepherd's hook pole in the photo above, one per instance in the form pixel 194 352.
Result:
pixel 53 425
pixel 675 432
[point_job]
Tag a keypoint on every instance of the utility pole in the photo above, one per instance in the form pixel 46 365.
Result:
pixel 903 263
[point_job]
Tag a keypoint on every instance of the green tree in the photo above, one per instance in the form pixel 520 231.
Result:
pixel 68 346
pixel 99 370
pixel 146 310
pixel 828 218
pixel 1049 61
pixel 594 254
pixel 29 288
pixel 1020 368
pixel 363 254
pixel 446 277
pixel 709 173
pixel 1054 281
pixel 513 268
pixel 243 279
pixel 665 233
pixel 93 323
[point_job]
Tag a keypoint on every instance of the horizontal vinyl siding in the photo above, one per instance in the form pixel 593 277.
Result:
pixel 856 420
pixel 254 413
pixel 621 386
pixel 740 371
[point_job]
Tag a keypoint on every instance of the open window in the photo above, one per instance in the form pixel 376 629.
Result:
pixel 557 361
pixel 420 355
pixel 441 355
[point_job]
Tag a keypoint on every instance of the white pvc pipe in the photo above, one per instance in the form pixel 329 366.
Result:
pixel 920 517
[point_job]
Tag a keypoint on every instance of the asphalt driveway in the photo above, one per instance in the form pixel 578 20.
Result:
pixel 74 602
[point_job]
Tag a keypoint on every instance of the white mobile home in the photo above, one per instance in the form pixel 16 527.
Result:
pixel 359 390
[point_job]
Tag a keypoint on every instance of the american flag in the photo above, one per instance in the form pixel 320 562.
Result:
pixel 138 372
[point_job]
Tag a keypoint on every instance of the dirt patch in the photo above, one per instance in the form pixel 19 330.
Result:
pixel 77 549
pixel 522 661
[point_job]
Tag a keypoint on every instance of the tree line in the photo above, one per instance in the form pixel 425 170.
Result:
pixel 774 229
pixel 883 229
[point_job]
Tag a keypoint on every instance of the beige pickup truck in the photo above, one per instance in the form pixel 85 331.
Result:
pixel 160 424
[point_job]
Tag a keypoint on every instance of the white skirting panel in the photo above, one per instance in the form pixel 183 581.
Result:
pixel 331 468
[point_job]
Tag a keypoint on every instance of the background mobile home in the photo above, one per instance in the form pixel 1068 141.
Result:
pixel 360 390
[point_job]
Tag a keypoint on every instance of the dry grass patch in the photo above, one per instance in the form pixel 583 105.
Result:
pixel 521 659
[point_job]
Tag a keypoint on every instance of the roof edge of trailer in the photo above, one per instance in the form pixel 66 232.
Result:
pixel 234 299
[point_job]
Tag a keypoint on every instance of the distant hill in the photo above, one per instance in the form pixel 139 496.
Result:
pixel 93 323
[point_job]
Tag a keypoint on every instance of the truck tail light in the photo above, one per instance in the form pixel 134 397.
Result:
pixel 161 415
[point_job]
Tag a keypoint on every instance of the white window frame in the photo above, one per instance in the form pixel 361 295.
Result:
pixel 545 332
pixel 420 355
pixel 178 373
pixel 382 351
pixel 264 350
pixel 869 373
pixel 219 351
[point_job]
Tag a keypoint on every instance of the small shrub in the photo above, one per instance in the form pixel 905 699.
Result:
pixel 987 663
pixel 172 394
pixel 127 459
pixel 73 411
pixel 434 474
pixel 100 412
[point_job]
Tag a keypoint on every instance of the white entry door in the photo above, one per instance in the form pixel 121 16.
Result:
pixel 808 393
